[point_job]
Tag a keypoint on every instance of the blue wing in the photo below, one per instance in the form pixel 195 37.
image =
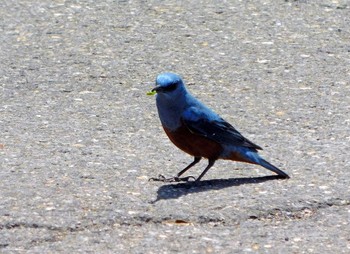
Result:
pixel 211 126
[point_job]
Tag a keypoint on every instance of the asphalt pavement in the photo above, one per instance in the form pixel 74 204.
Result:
pixel 80 138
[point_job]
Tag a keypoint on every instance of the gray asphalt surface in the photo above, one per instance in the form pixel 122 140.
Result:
pixel 79 137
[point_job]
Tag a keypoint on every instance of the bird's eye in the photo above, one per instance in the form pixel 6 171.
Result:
pixel 171 87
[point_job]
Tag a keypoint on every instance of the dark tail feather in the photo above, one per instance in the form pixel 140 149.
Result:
pixel 271 167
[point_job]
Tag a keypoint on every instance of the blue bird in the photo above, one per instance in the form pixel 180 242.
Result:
pixel 200 132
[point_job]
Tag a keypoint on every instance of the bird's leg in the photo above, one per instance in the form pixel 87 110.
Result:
pixel 210 164
pixel 196 160
pixel 177 178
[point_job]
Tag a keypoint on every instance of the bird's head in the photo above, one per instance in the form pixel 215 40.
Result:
pixel 169 84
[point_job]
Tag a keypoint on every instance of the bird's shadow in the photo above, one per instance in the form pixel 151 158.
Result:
pixel 176 190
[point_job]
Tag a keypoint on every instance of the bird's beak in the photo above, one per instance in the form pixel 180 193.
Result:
pixel 156 89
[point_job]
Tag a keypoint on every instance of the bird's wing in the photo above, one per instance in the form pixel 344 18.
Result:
pixel 216 129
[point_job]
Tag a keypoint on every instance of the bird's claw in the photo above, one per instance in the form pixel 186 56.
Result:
pixel 162 178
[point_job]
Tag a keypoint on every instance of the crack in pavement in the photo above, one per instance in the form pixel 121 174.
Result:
pixel 310 209
pixel 299 213
pixel 13 225
pixel 279 214
pixel 273 215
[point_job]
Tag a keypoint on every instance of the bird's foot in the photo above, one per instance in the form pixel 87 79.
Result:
pixel 162 178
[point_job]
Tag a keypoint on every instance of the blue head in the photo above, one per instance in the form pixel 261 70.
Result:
pixel 173 100
pixel 169 86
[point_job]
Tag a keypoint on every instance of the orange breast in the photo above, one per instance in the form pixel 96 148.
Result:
pixel 194 144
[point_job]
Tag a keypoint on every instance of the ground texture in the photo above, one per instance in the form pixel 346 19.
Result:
pixel 80 138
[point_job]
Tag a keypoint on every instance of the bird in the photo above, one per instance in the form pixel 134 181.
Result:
pixel 199 131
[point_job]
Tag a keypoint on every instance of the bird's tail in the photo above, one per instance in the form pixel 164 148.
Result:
pixel 271 167
pixel 252 156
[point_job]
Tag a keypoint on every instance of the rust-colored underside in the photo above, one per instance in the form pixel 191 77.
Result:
pixel 199 146
pixel 194 144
